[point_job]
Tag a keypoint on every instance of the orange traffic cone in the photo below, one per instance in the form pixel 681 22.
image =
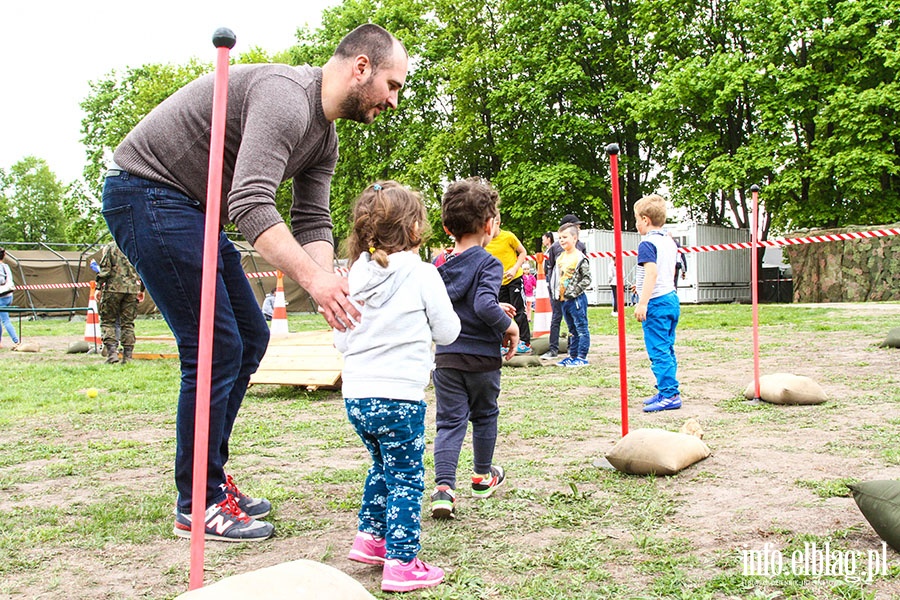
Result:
pixel 543 311
pixel 92 321
pixel 279 313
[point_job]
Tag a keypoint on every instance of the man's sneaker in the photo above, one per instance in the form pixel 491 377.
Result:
pixel 664 404
pixel 615 314
pixel 565 362
pixel 654 398
pixel 484 485
pixel 442 503
pixel 254 507
pixel 549 354
pixel 523 348
pixel 397 576
pixel 367 549
pixel 577 362
pixel 226 522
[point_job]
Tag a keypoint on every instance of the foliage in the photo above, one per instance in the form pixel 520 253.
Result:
pixel 117 102
pixel 703 99
pixel 31 199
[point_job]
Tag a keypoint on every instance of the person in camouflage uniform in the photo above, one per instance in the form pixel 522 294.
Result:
pixel 121 290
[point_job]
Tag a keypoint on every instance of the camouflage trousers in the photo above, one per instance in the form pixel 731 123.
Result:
pixel 117 310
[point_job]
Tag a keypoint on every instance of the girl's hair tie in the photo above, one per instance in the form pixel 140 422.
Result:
pixel 376 187
pixel 371 249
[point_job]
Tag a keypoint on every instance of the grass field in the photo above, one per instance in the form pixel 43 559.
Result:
pixel 86 489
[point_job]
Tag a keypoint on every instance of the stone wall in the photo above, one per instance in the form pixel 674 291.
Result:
pixel 846 271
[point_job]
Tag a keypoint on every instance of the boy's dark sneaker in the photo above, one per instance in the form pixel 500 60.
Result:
pixel 398 576
pixel 485 485
pixel 367 549
pixel 442 503
pixel 254 507
pixel 664 404
pixel 226 522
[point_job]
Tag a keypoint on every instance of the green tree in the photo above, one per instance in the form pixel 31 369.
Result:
pixel 81 212
pixel 117 102
pixel 32 203
pixel 834 68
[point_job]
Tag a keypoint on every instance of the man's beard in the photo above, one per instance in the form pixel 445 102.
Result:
pixel 357 106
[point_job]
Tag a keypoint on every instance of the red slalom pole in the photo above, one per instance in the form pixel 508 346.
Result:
pixel 613 151
pixel 754 286
pixel 224 40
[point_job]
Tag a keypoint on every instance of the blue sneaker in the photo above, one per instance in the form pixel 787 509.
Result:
pixel 654 398
pixel 578 362
pixel 523 348
pixel 565 362
pixel 664 404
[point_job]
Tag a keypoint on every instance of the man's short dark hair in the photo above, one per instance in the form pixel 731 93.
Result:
pixel 467 205
pixel 374 41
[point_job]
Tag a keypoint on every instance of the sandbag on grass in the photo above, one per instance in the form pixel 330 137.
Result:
pixel 290 580
pixel 523 360
pixel 786 388
pixel 892 340
pixel 542 344
pixel 79 347
pixel 879 502
pixel 656 451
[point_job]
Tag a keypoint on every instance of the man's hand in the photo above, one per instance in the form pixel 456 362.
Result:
pixel 330 291
pixel 311 266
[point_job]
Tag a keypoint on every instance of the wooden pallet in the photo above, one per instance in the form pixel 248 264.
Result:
pixel 307 359
pixel 154 355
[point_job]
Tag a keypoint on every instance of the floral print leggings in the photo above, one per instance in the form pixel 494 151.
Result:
pixel 393 432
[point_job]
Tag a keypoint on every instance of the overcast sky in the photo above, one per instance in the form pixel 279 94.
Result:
pixel 51 50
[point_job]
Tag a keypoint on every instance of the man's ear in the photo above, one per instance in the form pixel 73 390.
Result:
pixel 447 231
pixel 361 66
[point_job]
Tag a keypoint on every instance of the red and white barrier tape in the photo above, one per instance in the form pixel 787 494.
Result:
pixel 773 243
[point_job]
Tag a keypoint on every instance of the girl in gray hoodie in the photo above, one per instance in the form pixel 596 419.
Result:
pixel 388 359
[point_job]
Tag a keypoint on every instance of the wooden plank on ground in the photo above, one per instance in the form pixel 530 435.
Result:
pixel 153 355
pixel 307 359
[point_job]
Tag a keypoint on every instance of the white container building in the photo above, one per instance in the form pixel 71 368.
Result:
pixel 717 276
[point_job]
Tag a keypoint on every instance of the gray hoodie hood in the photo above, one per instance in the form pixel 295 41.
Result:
pixel 375 285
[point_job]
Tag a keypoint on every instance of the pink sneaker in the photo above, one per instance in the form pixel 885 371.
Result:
pixel 367 549
pixel 404 577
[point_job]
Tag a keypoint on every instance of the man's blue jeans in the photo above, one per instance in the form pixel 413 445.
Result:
pixel 161 231
pixel 575 312
pixel 659 338
pixel 393 432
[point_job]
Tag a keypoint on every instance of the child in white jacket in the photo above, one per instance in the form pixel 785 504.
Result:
pixel 388 359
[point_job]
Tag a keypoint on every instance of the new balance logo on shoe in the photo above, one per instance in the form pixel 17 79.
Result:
pixel 225 522
pixel 219 524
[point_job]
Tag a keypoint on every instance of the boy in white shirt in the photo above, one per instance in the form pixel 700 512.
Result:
pixel 658 308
